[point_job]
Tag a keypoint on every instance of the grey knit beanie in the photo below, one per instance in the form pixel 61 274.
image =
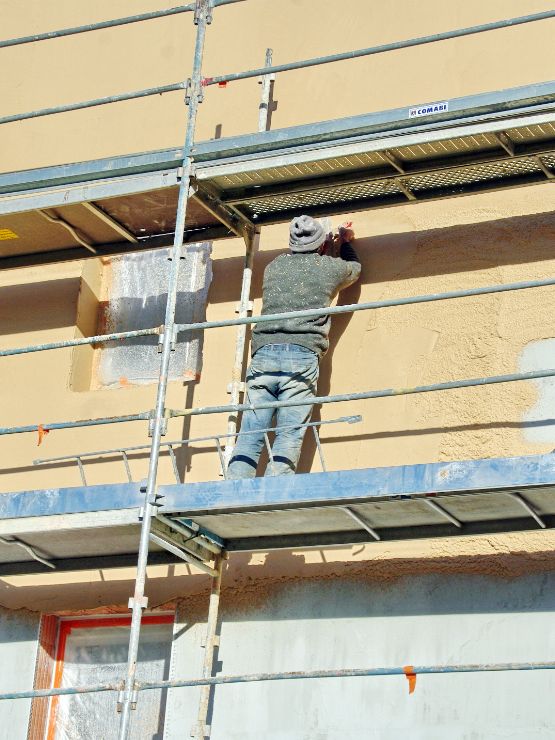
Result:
pixel 305 234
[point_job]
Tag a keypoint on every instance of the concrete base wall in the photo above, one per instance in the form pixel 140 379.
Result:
pixel 18 649
pixel 335 623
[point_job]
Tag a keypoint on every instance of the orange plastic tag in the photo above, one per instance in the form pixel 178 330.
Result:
pixel 408 670
pixel 42 433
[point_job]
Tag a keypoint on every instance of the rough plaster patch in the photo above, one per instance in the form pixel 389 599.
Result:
pixel 247 592
pixel 250 578
pixel 539 420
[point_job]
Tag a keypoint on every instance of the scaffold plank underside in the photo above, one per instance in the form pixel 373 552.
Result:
pixel 98 526
pixel 465 145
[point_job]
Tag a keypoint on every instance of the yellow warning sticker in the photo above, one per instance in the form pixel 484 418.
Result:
pixel 7 234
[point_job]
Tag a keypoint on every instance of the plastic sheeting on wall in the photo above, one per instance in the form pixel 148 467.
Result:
pixel 99 655
pixel 136 299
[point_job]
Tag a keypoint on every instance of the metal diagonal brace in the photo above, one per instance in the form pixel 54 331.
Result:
pixel 107 219
pixel 445 514
pixel 404 188
pixel 526 505
pixel 394 161
pixel 214 544
pixel 506 142
pixel 76 233
pixel 362 522
pixel 31 550
pixel 231 217
pixel 162 542
pixel 543 167
pixel 189 543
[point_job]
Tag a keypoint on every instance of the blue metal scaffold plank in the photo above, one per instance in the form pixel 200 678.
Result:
pixel 70 526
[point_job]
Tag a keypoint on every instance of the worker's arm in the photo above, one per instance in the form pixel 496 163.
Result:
pixel 348 255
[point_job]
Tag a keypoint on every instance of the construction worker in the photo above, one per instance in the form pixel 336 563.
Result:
pixel 286 353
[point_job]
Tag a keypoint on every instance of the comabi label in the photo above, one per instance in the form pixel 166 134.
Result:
pixel 427 110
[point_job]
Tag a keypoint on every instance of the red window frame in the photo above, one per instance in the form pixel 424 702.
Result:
pixel 66 626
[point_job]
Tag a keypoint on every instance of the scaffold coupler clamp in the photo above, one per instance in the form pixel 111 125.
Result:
pixel 203 6
pixel 155 499
pixel 248 307
pixel 152 422
pixel 188 90
pixel 162 334
pixel 128 696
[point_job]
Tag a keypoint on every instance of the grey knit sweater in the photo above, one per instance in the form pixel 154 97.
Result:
pixel 293 282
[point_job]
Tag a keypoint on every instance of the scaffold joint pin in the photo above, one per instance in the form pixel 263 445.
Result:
pixel 141 600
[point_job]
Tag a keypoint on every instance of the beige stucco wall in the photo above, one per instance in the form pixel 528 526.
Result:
pixel 406 250
pixel 159 52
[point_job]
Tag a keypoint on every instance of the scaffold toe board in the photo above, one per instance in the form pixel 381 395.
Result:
pixel 446 149
pixel 98 526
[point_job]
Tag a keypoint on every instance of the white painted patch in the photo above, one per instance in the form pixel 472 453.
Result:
pixel 539 420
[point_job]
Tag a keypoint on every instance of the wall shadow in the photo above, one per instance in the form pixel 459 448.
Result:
pixel 342 588
pixel 338 327
pixel 38 306
pixel 385 258
pixel 425 253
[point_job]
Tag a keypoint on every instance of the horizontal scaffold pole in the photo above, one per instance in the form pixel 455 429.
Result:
pixel 408 670
pixel 221 79
pixel 127 20
pixel 193 440
pixel 98 339
pixel 93 103
pixel 312 312
pixel 317 400
pixel 141 416
pixel 366 395
pixel 393 46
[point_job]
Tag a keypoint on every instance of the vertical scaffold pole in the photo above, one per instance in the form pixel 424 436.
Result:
pixel 211 642
pixel 138 602
pixel 252 241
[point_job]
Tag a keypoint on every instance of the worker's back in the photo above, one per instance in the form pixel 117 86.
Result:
pixel 293 282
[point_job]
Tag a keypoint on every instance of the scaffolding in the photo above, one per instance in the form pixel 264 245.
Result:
pixel 513 135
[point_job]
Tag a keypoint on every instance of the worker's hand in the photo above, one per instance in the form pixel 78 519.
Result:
pixel 345 233
pixel 327 247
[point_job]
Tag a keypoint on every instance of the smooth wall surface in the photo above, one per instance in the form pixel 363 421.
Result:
pixel 159 52
pixel 359 622
pixel 18 649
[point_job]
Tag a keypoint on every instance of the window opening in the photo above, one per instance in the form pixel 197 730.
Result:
pixel 91 651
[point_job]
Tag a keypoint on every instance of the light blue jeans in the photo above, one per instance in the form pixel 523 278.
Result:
pixel 278 372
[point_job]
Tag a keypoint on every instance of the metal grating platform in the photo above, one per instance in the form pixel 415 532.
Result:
pixel 82 528
pixel 483 142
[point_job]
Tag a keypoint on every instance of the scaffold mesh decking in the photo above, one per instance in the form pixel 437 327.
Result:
pixel 446 149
